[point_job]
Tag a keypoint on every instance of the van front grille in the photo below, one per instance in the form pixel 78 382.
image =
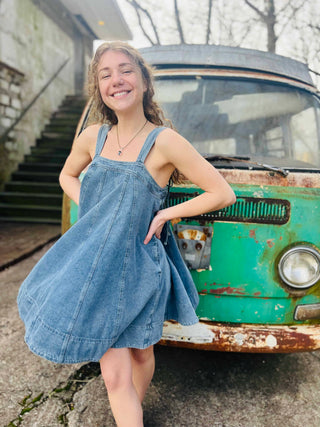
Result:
pixel 246 209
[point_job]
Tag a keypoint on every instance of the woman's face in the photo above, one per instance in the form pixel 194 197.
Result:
pixel 120 82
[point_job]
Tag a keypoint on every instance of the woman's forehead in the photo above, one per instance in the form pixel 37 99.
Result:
pixel 112 58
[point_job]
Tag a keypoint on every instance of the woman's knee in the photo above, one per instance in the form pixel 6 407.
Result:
pixel 142 356
pixel 116 369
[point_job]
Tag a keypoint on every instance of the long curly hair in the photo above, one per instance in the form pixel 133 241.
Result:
pixel 99 111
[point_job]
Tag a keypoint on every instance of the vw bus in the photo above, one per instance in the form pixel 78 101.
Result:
pixel 255 116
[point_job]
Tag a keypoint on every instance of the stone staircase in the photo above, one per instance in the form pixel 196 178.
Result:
pixel 33 194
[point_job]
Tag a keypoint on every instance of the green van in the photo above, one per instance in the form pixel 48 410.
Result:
pixel 256 117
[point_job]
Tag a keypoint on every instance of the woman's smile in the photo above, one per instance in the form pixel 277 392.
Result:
pixel 120 94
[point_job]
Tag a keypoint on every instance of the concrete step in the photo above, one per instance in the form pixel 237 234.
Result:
pixel 71 108
pixel 63 130
pixel 75 100
pixel 54 142
pixel 34 211
pixel 48 136
pixel 35 176
pixel 65 115
pixel 40 167
pixel 33 187
pixel 46 158
pixel 52 150
pixel 65 121
pixel 30 219
pixel 42 199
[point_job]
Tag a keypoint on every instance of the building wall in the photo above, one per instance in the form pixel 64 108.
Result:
pixel 32 47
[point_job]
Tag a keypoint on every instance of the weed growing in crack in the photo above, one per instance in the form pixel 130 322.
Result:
pixel 64 392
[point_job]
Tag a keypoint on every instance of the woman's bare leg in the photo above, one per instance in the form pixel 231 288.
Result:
pixel 116 370
pixel 143 365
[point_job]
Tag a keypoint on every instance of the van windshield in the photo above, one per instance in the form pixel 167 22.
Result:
pixel 266 122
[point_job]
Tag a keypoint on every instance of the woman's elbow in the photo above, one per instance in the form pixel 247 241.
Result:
pixel 233 198
pixel 61 178
pixel 229 197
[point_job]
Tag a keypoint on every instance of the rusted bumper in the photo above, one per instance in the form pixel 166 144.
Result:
pixel 244 338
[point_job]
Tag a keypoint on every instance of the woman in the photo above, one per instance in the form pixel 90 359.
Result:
pixel 104 289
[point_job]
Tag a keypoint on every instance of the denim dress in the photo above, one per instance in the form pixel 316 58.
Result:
pixel 99 286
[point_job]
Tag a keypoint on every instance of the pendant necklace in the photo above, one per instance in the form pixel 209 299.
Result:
pixel 122 148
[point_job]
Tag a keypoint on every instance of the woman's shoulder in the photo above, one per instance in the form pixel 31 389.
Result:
pixel 91 131
pixel 170 139
pixel 87 139
pixel 89 135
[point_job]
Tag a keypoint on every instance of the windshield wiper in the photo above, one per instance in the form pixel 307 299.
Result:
pixel 245 159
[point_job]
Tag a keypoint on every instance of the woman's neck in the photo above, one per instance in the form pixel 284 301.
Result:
pixel 128 124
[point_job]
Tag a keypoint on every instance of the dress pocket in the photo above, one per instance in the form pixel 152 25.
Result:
pixel 154 252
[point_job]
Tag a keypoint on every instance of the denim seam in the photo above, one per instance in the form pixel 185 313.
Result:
pixel 150 324
pixel 124 268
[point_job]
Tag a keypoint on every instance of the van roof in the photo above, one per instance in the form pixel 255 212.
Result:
pixel 185 55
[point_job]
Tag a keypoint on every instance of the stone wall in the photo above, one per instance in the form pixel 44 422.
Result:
pixel 11 81
pixel 33 45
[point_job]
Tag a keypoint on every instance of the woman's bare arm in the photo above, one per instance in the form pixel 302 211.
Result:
pixel 79 157
pixel 217 192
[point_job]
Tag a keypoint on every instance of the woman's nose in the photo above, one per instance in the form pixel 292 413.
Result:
pixel 117 79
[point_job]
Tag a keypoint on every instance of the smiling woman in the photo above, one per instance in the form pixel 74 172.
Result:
pixel 105 288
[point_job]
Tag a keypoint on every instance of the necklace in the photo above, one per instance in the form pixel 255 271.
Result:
pixel 122 148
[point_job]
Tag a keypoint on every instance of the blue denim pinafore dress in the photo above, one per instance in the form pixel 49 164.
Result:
pixel 99 285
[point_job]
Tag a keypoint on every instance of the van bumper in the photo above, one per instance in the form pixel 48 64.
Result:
pixel 246 338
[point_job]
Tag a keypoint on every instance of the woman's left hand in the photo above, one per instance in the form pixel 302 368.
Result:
pixel 156 226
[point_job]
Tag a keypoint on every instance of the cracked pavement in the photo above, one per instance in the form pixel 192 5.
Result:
pixel 190 387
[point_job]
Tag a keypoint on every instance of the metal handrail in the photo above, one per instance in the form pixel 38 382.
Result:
pixel 5 134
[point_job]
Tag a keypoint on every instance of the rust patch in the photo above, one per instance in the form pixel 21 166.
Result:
pixel 252 234
pixel 246 338
pixel 294 179
pixel 257 294
pixel 270 243
pixel 192 234
pixel 228 290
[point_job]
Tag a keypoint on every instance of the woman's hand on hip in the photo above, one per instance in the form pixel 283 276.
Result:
pixel 156 226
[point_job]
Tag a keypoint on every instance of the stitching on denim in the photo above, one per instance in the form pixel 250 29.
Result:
pixel 150 325
pixel 124 267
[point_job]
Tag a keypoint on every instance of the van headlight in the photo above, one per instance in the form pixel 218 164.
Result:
pixel 299 267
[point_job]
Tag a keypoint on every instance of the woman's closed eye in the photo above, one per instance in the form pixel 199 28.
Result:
pixel 104 76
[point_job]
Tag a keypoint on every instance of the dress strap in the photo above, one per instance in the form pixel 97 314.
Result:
pixel 148 144
pixel 102 134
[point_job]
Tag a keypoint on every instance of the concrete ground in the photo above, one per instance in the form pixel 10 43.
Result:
pixel 190 388
pixel 19 240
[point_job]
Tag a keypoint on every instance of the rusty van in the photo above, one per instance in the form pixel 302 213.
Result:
pixel 255 116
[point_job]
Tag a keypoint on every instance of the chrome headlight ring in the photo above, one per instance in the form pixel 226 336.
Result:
pixel 299 267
